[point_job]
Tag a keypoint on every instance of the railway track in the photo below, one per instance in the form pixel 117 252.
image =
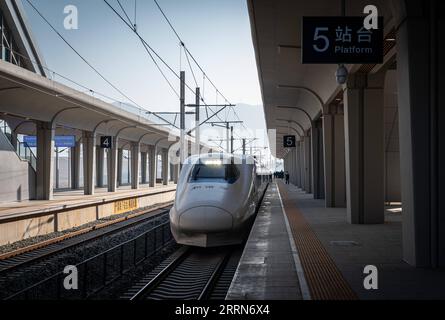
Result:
pixel 102 270
pixel 190 274
pixel 58 245
pixel 21 276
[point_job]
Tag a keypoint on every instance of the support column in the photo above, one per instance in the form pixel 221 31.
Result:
pixel 135 155
pixel 421 97
pixel 143 167
pixel 120 160
pixel 113 164
pixel 89 162
pixel 100 162
pixel 75 166
pixel 14 140
pixel 165 166
pixel 307 163
pixel 294 166
pixel 301 163
pixel 290 166
pixel 364 148
pixel 153 165
pixel 317 160
pixel 334 156
pixel 286 165
pixel 297 165
pixel 175 173
pixel 45 160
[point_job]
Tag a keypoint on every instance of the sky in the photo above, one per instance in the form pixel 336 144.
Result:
pixel 217 33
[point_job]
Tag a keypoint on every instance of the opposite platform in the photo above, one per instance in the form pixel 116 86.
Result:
pixel 23 220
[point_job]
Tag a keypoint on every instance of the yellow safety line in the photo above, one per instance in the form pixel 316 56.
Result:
pixel 324 279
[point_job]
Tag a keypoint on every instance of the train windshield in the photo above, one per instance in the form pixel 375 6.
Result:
pixel 214 172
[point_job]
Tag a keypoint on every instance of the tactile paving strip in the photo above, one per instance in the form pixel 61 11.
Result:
pixel 322 275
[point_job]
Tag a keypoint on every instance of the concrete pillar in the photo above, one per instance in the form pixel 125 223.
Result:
pixel 307 163
pixel 334 156
pixel 286 163
pixel 364 148
pixel 175 173
pixel 45 160
pixel 153 161
pixel 135 154
pixel 301 163
pixel 14 141
pixel 144 167
pixel 120 160
pixel 165 165
pixel 293 166
pixel 317 159
pixel 112 165
pixel 75 165
pixel 89 162
pixel 421 97
pixel 100 163
pixel 297 165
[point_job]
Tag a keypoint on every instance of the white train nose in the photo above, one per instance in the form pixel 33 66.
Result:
pixel 205 219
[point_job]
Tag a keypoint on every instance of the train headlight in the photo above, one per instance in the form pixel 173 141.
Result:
pixel 213 162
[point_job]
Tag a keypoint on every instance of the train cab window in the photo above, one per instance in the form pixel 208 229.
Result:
pixel 203 172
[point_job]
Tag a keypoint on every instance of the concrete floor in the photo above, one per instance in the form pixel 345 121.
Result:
pixel 352 247
pixel 266 270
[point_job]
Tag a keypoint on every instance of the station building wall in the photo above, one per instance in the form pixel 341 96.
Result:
pixel 16 176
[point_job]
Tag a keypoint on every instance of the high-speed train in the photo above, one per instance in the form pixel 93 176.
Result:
pixel 216 200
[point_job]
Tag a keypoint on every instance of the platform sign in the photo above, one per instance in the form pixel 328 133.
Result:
pixel 65 141
pixel 106 142
pixel 30 141
pixel 339 40
pixel 59 141
pixel 124 206
pixel 289 142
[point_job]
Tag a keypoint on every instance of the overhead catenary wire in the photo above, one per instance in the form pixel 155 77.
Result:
pixel 146 44
pixel 135 13
pixel 149 53
pixel 148 47
pixel 85 60
pixel 189 54
pixel 187 50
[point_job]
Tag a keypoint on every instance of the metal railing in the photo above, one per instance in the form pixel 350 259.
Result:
pixel 22 150
pixel 101 270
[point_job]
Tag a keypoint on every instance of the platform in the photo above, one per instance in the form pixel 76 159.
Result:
pixel 71 209
pixel 329 255
pixel 267 268
pixel 352 247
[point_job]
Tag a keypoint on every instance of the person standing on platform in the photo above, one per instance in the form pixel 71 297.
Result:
pixel 287 177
